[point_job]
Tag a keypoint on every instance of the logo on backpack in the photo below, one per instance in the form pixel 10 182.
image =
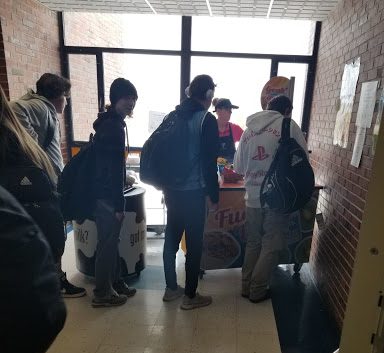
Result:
pixel 290 181
pixel 25 181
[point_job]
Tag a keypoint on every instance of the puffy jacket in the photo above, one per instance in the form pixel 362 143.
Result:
pixel 257 148
pixel 32 311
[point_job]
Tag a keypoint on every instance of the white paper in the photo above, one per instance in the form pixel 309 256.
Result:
pixel 154 120
pixel 366 104
pixel 347 95
pixel 358 147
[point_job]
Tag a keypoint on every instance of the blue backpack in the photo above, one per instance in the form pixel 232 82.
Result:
pixel 289 182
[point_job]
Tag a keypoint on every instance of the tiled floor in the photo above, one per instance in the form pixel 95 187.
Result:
pixel 147 325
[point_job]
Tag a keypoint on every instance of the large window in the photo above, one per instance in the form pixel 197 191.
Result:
pixel 299 72
pixel 240 80
pixel 157 80
pixel 122 30
pixel 252 35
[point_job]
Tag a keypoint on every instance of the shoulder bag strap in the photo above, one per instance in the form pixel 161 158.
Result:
pixel 50 134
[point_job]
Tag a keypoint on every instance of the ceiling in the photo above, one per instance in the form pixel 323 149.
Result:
pixel 315 10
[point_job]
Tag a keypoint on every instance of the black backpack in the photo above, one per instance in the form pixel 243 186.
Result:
pixel 164 158
pixel 289 182
pixel 32 187
pixel 75 185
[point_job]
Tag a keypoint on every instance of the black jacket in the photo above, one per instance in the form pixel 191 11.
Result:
pixel 109 144
pixel 32 311
pixel 209 146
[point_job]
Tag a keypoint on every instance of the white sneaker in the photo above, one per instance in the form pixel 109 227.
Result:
pixel 173 294
pixel 197 301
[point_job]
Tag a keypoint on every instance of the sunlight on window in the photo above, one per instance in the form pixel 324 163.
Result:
pixel 252 35
pixel 299 71
pixel 240 80
pixel 157 80
pixel 122 30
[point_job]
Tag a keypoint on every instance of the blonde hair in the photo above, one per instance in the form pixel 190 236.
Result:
pixel 10 127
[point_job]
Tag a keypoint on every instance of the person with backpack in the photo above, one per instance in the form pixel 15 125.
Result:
pixel 187 199
pixel 38 112
pixel 32 311
pixel 108 189
pixel 264 225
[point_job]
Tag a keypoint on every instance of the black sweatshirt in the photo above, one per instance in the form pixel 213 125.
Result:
pixel 109 143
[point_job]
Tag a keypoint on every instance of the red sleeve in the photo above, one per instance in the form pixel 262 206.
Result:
pixel 237 131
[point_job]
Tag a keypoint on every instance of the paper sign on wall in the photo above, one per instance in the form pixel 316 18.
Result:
pixel 376 128
pixel 366 104
pixel 347 95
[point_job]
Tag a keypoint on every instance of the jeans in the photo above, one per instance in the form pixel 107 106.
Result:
pixel 107 264
pixel 186 212
pixel 265 240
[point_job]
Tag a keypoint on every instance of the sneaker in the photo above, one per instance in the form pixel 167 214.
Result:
pixel 266 296
pixel 68 290
pixel 173 294
pixel 197 301
pixel 122 288
pixel 112 300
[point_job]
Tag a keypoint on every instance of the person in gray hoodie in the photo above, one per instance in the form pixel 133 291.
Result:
pixel 264 227
pixel 38 114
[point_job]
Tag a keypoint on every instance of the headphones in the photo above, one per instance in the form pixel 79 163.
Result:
pixel 208 95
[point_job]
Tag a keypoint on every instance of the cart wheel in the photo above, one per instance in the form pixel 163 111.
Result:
pixel 297 267
pixel 201 273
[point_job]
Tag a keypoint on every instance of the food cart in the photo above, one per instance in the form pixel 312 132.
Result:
pixel 225 238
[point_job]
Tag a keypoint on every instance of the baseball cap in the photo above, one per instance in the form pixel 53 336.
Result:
pixel 223 103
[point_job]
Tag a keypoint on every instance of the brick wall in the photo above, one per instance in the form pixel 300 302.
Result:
pixel 3 67
pixel 354 29
pixel 31 46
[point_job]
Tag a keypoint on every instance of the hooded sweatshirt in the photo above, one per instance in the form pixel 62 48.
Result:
pixel 109 144
pixel 37 113
pixel 257 149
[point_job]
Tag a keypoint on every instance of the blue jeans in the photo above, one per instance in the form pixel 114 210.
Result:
pixel 186 211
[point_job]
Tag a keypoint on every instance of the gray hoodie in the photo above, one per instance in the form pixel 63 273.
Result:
pixel 34 112
pixel 256 150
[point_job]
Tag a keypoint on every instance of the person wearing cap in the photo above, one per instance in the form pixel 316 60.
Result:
pixel 187 202
pixel 108 187
pixel 229 133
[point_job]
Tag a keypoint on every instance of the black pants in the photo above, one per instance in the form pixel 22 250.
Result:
pixel 186 211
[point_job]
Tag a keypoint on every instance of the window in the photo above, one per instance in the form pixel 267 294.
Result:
pixel 252 35
pixel 122 30
pixel 299 72
pixel 240 80
pixel 157 80
pixel 84 99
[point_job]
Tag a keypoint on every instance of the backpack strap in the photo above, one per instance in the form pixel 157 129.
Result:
pixel 285 135
pixel 49 135
pixel 285 129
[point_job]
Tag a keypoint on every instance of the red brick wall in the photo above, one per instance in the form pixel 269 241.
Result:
pixel 3 67
pixel 354 29
pixel 31 45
